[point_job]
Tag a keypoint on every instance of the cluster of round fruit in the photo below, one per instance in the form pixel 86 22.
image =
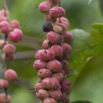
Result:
pixel 9 75
pixel 11 30
pixel 52 60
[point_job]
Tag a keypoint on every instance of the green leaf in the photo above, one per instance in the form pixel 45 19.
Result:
pixel 23 96
pixel 98 26
pixel 85 47
pixel 89 84
pixel 81 102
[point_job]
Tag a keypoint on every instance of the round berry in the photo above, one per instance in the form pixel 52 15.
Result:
pixel 15 24
pixel 44 6
pixel 9 49
pixel 5 98
pixel 53 37
pixel 16 35
pixel 54 66
pixel 39 64
pixel 10 75
pixel 4 84
pixel 42 94
pixel 49 100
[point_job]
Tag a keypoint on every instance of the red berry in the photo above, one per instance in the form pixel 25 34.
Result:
pixel 54 66
pixel 42 94
pixel 55 94
pixel 53 37
pixel 10 75
pixel 49 100
pixel 44 6
pixel 57 12
pixel 45 44
pixel 66 48
pixel 16 35
pixel 66 86
pixel 15 24
pixel 5 27
pixel 38 86
pixel 4 12
pixel 39 64
pixel 63 20
pixel 50 83
pixel 5 98
pixel 43 73
pixel 58 76
pixel 47 55
pixel 3 18
pixel 58 51
pixel 68 36
pixel 9 49
pixel 37 54
pixel 4 84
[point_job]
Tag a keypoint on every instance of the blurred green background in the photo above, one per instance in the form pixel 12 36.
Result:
pixel 86 18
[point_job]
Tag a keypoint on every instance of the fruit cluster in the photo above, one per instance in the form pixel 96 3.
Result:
pixel 52 60
pixel 11 31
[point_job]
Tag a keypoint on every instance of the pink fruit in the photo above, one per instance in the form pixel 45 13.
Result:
pixel 63 20
pixel 4 12
pixel 66 48
pixel 42 94
pixel 57 12
pixel 46 83
pixel 4 84
pixel 37 54
pixel 66 86
pixel 55 94
pixel 58 76
pixel 44 6
pixel 53 37
pixel 39 64
pixel 10 75
pixel 50 83
pixel 58 51
pixel 5 27
pixel 3 18
pixel 54 66
pixel 16 35
pixel 45 44
pixel 15 24
pixel 38 86
pixel 68 36
pixel 5 98
pixel 43 73
pixel 47 55
pixel 49 100
pixel 9 49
